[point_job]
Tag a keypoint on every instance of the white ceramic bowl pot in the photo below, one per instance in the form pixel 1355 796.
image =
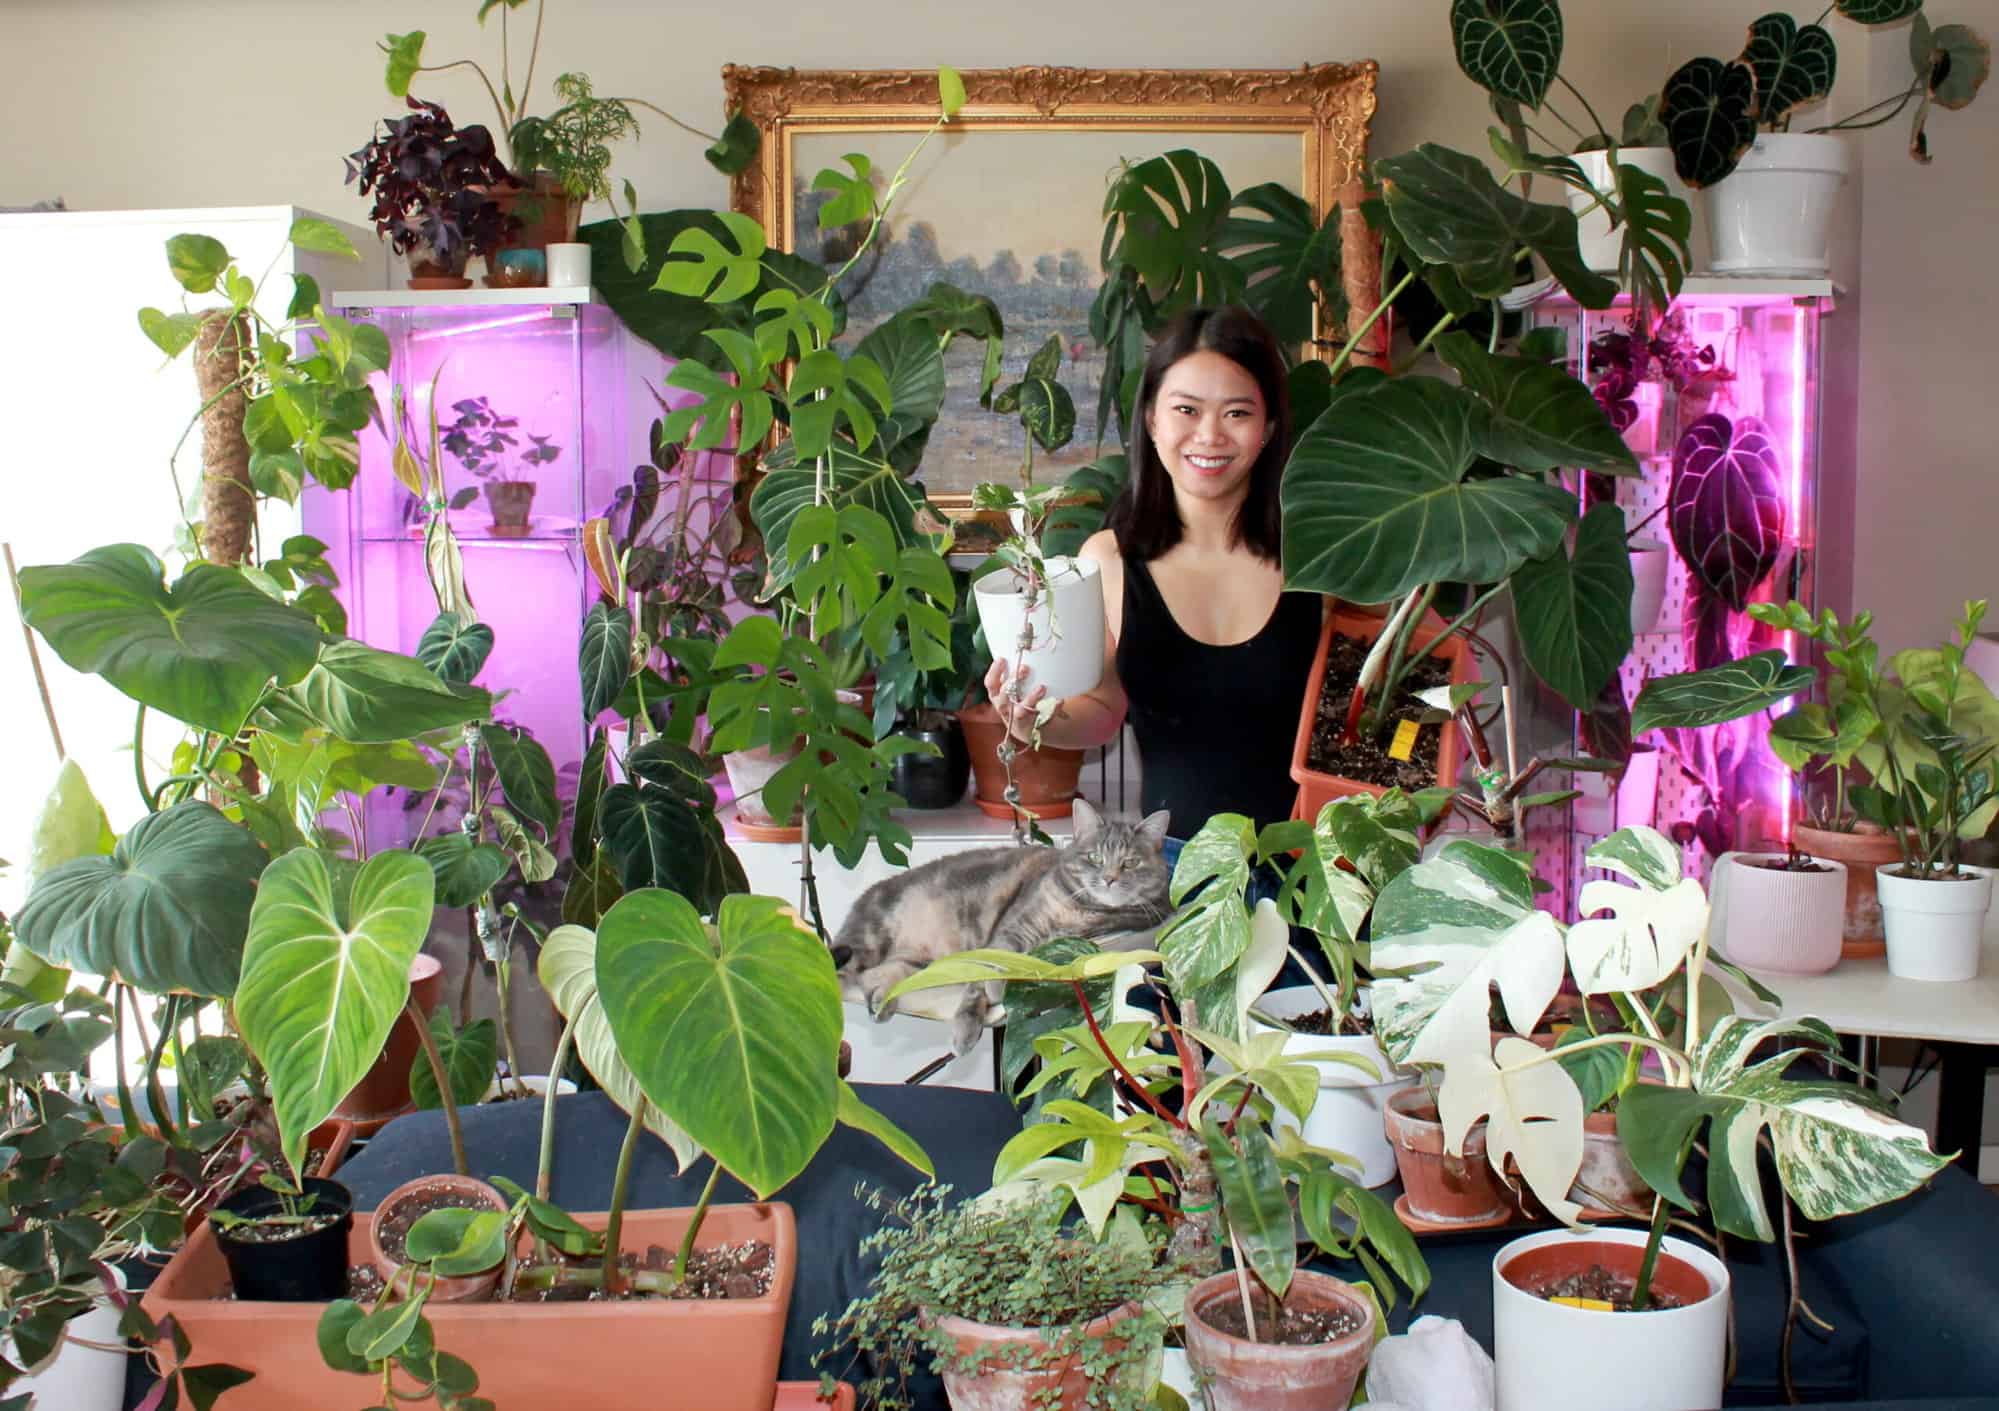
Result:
pixel 1601 245
pixel 1934 927
pixel 1347 1116
pixel 1772 215
pixel 1555 1357
pixel 1770 918
pixel 86 1372
pixel 1067 651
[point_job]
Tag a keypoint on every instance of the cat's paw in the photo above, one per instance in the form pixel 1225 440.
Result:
pixel 879 1005
pixel 965 1031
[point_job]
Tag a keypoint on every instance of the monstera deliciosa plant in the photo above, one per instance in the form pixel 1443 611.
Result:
pixel 1450 930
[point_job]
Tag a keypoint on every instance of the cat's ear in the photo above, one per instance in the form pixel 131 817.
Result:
pixel 1088 823
pixel 1153 827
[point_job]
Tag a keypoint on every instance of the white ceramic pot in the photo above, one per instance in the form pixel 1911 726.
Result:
pixel 1934 929
pixel 1552 1357
pixel 1067 655
pixel 569 265
pixel 536 1083
pixel 1601 245
pixel 1650 562
pixel 1347 1116
pixel 1772 215
pixel 749 771
pixel 1770 919
pixel 76 1377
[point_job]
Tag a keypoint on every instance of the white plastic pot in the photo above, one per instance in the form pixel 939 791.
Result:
pixel 76 1377
pixel 1650 562
pixel 1601 245
pixel 1067 625
pixel 1772 215
pixel 1552 1357
pixel 535 1083
pixel 1934 928
pixel 1347 1116
pixel 1770 919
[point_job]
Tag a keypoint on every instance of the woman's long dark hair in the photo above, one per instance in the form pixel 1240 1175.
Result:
pixel 1145 518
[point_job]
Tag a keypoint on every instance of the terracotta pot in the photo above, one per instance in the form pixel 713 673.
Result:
pixel 1441 1189
pixel 529 1356
pixel 547 216
pixel 1001 1387
pixel 473 1193
pixel 1862 850
pixel 430 270
pixel 1255 1376
pixel 511 501
pixel 1607 1180
pixel 1316 790
pixel 1047 776
pixel 384 1094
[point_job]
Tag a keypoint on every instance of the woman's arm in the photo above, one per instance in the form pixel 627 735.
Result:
pixel 1094 717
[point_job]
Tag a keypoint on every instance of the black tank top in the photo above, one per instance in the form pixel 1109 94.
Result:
pixel 1214 725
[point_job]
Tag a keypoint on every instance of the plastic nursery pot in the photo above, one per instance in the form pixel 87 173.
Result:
pixel 1935 926
pixel 1046 777
pixel 1263 1376
pixel 510 501
pixel 384 1092
pixel 932 781
pixel 1772 918
pixel 1316 789
pixel 408 1202
pixel 1437 1188
pixel 995 1385
pixel 1552 1356
pixel 308 1267
pixel 1861 851
pixel 1348 1113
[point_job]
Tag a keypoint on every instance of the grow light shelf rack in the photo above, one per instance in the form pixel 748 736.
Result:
pixel 542 296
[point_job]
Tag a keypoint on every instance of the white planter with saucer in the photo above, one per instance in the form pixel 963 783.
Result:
pixel 1772 215
pixel 1348 1114
pixel 1601 244
pixel 1775 919
pixel 1934 928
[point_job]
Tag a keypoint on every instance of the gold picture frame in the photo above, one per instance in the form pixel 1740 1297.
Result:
pixel 1023 150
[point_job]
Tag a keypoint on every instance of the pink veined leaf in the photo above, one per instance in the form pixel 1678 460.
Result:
pixel 1727 505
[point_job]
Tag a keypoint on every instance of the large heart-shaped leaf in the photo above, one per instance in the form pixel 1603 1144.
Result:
pixel 906 350
pixel 1286 258
pixel 463 868
pixel 658 840
pixel 1164 217
pixel 1691 699
pixel 734 1031
pixel 526 774
pixel 1709 109
pixel 325 973
pixel 568 973
pixel 1574 612
pixel 1726 505
pixel 167 911
pixel 1448 210
pixel 1794 66
pixel 604 659
pixel 1652 927
pixel 1542 418
pixel 1376 499
pixel 1510 48
pixel 202 651
pixel 469 1056
pixel 455 647
pixel 1877 12
pixel 368 696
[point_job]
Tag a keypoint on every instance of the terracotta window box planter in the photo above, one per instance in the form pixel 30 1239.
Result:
pixel 529 1356
pixel 1317 789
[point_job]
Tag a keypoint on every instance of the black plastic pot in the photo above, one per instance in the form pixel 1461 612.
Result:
pixel 308 1268
pixel 932 781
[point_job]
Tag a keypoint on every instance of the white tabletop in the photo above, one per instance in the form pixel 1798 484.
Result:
pixel 1861 997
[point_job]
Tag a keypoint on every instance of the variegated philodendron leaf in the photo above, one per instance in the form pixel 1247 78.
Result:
pixel 1445 932
pixel 1209 934
pixel 1839 1151
pixel 1027 1165
pixel 1260 1062
pixel 1652 927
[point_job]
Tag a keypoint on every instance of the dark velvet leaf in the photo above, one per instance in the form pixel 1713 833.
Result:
pixel 1163 217
pixel 1510 48
pixel 454 649
pixel 1726 507
pixel 604 658
pixel 1874 12
pixel 1794 66
pixel 1709 111
pixel 526 774
pixel 1574 613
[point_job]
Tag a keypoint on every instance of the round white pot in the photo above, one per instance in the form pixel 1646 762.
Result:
pixel 569 265
pixel 75 1377
pixel 1650 563
pixel 1552 1357
pixel 1772 215
pixel 1934 929
pixel 749 771
pixel 536 1083
pixel 1790 922
pixel 1347 1116
pixel 1601 245
pixel 1067 655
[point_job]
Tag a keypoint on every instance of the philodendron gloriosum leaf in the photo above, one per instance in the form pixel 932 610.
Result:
pixel 325 973
pixel 1726 505
pixel 1691 699
pixel 1794 66
pixel 1542 418
pixel 1653 926
pixel 1574 612
pixel 1511 48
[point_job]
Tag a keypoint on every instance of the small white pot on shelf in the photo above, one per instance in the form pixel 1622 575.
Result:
pixel 1772 215
pixel 1934 928
pixel 81 1374
pixel 1600 243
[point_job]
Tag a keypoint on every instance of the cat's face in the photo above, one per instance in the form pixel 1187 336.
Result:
pixel 1111 865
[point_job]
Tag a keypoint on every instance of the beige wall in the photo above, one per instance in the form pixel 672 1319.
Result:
pixel 135 103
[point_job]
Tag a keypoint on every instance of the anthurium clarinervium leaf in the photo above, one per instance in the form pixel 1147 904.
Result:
pixel 167 911
pixel 325 973
pixel 734 1032
pixel 1794 65
pixel 202 651
pixel 1510 48
pixel 1709 109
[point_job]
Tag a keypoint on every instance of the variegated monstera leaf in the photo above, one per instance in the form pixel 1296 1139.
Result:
pixel 1652 926
pixel 1445 932
pixel 1839 1150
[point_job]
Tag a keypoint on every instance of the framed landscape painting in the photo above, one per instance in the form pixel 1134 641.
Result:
pixel 1007 201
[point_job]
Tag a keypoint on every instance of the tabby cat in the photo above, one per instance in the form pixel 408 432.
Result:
pixel 1110 878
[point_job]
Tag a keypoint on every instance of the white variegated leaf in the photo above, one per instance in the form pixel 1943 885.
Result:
pixel 1451 928
pixel 1644 940
pixel 1269 943
pixel 1645 855
pixel 1534 1114
pixel 1259 1060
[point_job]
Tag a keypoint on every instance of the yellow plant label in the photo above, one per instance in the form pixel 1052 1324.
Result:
pixel 1598 1305
pixel 1404 743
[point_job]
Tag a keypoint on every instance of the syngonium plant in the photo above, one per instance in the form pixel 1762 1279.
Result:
pixel 1712 109
pixel 1450 930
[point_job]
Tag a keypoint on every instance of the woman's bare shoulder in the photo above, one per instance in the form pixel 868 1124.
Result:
pixel 1102 546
